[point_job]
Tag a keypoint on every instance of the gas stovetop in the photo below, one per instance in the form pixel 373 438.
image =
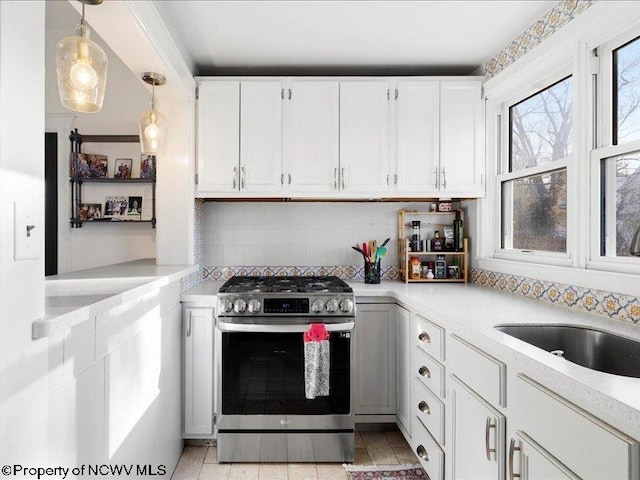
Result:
pixel 286 296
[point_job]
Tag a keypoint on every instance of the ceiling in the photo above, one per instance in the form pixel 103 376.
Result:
pixel 357 37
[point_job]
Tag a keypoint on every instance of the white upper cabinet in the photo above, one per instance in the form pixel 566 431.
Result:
pixel 364 136
pixel 261 136
pixel 311 136
pixel 218 149
pixel 341 137
pixel 461 139
pixel 417 136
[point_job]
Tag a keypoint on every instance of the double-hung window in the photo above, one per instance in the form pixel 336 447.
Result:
pixel 615 168
pixel 533 178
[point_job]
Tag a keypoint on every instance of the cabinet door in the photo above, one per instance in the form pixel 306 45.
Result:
pixel 218 137
pixel 198 371
pixel 461 138
pixel 311 137
pixel 417 137
pixel 375 360
pixel 403 359
pixel 534 462
pixel 364 136
pixel 261 136
pixel 477 435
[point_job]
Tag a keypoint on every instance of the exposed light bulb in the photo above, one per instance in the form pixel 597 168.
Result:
pixel 83 76
pixel 152 131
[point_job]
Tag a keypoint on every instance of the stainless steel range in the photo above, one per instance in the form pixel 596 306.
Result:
pixel 264 414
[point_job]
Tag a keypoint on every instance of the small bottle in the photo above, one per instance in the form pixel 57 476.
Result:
pixel 430 274
pixel 424 269
pixel 458 235
pixel 415 237
pixel 441 267
pixel 436 242
pixel 415 268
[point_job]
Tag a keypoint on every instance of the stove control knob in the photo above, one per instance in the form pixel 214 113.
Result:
pixel 239 305
pixel 254 305
pixel 346 305
pixel 332 305
pixel 225 305
pixel 317 306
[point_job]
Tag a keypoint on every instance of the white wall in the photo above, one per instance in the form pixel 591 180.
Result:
pixel 23 362
pixel 125 98
pixel 299 233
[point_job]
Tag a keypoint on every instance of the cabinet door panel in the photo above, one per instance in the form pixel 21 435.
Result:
pixel 375 360
pixel 261 136
pixel 218 136
pixel 461 138
pixel 536 462
pixel 472 435
pixel 198 371
pixel 311 137
pixel 417 140
pixel 364 136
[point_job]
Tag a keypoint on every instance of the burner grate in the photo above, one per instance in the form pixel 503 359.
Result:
pixel 308 284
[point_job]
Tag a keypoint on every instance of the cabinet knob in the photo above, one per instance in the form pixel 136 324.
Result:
pixel 424 407
pixel 424 337
pixel 425 372
pixel 422 453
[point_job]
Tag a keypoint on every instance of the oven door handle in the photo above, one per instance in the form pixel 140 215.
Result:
pixel 251 327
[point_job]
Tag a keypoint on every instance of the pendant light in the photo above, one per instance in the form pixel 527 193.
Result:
pixel 81 66
pixel 153 124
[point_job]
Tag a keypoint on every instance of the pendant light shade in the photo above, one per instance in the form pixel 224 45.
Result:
pixel 152 123
pixel 81 67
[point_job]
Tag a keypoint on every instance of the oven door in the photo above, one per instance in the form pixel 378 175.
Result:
pixel 261 379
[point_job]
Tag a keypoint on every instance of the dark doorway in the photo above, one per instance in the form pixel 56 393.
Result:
pixel 50 203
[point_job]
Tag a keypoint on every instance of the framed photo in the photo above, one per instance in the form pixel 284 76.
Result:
pixel 115 207
pixel 91 165
pixel 90 211
pixel 134 209
pixel 147 166
pixel 122 168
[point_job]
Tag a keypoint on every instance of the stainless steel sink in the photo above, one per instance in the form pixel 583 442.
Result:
pixel 591 348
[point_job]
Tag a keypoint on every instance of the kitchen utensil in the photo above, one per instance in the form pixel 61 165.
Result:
pixel 380 253
pixel 384 244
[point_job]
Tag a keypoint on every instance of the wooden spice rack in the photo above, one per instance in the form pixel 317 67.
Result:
pixel 435 221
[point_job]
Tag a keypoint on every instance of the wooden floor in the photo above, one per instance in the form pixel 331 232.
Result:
pixel 380 448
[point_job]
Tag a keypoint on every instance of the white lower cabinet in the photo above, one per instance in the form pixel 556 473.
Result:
pixel 198 327
pixel 428 451
pixel 403 362
pixel 477 435
pixel 531 462
pixel 375 369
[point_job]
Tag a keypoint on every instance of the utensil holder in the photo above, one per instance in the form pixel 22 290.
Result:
pixel 372 272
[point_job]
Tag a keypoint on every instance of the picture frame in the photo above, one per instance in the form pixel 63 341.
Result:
pixel 122 168
pixel 115 206
pixel 91 165
pixel 147 166
pixel 90 211
pixel 134 207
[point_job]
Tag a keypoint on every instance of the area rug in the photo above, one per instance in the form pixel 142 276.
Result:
pixel 385 472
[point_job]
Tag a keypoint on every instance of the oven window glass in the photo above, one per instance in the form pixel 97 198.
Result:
pixel 263 374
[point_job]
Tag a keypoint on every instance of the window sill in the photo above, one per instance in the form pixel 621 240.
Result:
pixel 622 283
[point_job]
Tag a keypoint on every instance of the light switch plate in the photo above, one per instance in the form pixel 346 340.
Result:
pixel 26 233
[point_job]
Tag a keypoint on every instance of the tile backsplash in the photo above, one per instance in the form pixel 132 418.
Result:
pixel 298 234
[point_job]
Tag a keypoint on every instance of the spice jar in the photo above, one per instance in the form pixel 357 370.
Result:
pixel 415 268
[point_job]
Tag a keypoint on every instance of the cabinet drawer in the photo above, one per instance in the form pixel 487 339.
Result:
pixel 483 373
pixel 429 453
pixel 582 442
pixel 430 372
pixel 430 337
pixel 429 409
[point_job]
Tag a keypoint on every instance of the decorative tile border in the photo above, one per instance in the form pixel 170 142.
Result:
pixel 198 235
pixel 551 22
pixel 347 272
pixel 613 305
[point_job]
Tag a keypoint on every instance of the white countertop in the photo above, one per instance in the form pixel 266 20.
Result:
pixel 74 297
pixel 472 312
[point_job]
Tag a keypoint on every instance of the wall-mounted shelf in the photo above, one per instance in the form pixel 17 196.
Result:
pixel 404 252
pixel 77 180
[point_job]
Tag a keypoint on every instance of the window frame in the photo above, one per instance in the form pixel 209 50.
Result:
pixel 543 82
